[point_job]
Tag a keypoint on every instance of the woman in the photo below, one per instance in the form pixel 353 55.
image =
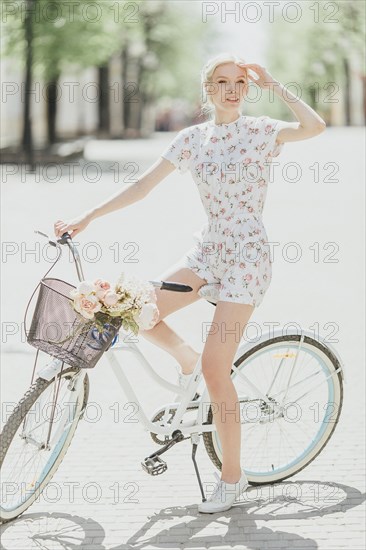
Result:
pixel 228 157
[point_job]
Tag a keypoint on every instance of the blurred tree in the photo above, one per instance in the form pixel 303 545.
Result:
pixel 27 139
pixel 317 52
pixel 64 37
pixel 156 59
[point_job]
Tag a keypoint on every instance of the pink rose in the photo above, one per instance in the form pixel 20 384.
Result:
pixel 102 287
pixel 248 277
pixel 110 298
pixel 87 305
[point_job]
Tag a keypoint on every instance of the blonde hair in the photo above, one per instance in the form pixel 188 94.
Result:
pixel 207 71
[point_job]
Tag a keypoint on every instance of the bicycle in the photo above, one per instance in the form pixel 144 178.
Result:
pixel 272 376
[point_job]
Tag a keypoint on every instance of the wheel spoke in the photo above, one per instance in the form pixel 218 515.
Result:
pixel 25 465
pixel 278 446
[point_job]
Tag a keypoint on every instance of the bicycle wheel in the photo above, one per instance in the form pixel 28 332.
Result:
pixel 27 465
pixel 279 440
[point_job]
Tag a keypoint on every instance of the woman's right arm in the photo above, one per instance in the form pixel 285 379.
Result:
pixel 130 194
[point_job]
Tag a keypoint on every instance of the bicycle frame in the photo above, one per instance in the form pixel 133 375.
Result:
pixel 199 424
pixel 286 359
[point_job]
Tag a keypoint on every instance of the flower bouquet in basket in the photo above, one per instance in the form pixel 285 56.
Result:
pixel 131 301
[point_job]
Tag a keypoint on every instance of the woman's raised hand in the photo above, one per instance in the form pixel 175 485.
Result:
pixel 73 227
pixel 264 80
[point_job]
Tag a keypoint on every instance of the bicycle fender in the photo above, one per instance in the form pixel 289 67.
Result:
pixel 246 346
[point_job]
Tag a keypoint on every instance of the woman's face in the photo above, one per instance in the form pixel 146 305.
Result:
pixel 228 87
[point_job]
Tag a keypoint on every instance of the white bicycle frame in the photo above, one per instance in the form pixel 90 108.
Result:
pixel 199 424
pixel 203 404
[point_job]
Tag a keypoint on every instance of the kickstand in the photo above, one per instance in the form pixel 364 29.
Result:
pixel 195 440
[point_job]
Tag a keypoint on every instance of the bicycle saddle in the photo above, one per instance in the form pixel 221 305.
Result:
pixel 210 292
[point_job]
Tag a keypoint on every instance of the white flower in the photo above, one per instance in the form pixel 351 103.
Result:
pixel 120 282
pixel 86 287
pixel 125 306
pixel 148 316
pixel 141 291
pixel 110 298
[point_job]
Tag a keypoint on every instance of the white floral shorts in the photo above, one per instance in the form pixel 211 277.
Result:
pixel 243 269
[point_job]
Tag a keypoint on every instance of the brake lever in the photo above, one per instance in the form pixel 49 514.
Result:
pixel 65 239
pixel 52 243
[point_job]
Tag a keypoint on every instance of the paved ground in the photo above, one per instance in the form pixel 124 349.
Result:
pixel 114 504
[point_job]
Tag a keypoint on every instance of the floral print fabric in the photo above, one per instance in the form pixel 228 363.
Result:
pixel 230 164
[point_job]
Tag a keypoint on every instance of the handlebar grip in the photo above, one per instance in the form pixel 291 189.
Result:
pixel 177 287
pixel 64 238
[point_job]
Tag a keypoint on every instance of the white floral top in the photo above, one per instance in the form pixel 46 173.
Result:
pixel 230 164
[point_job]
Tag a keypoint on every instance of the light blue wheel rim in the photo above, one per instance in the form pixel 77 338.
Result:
pixel 47 467
pixel 314 442
pixel 56 451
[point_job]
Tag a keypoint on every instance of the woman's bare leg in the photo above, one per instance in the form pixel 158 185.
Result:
pixel 162 334
pixel 218 355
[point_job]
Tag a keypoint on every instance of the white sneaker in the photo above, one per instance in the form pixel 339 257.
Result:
pixel 184 380
pixel 224 495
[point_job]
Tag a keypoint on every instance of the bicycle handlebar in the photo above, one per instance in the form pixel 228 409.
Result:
pixel 66 239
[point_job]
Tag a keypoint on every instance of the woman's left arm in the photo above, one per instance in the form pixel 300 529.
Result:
pixel 310 123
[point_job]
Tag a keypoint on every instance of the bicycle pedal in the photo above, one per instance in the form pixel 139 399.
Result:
pixel 154 465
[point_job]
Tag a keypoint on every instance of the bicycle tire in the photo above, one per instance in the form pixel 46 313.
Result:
pixel 13 423
pixel 254 480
